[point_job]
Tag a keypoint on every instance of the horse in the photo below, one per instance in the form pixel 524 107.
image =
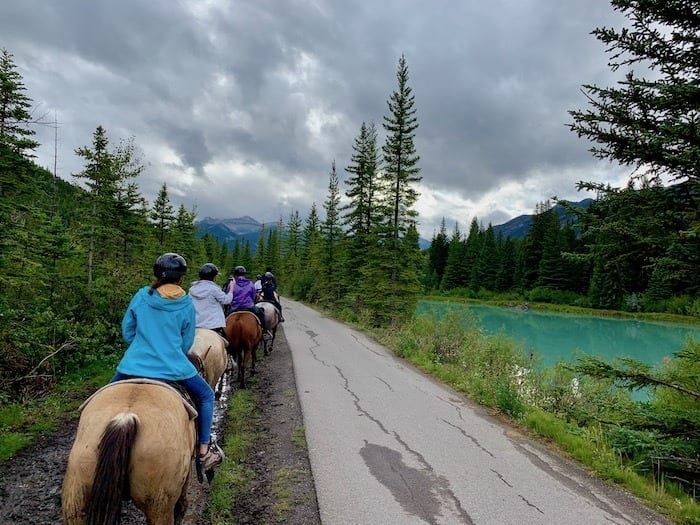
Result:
pixel 259 296
pixel 244 334
pixel 135 440
pixel 272 319
pixel 208 353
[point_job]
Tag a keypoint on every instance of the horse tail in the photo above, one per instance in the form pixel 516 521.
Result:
pixel 111 472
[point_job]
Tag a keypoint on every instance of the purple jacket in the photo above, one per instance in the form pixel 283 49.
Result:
pixel 243 293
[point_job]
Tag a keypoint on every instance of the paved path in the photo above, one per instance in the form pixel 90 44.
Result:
pixel 389 445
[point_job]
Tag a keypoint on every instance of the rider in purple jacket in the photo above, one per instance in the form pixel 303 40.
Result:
pixel 244 295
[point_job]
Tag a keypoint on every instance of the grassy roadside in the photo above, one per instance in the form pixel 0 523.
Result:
pixel 232 478
pixel 22 423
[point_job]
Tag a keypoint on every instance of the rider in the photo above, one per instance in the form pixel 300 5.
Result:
pixel 258 283
pixel 244 296
pixel 159 327
pixel 269 287
pixel 209 300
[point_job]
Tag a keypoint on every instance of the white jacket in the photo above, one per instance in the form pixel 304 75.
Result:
pixel 209 301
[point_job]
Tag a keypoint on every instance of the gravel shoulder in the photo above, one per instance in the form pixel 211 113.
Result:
pixel 281 492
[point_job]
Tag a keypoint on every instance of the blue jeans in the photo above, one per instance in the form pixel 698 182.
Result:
pixel 204 396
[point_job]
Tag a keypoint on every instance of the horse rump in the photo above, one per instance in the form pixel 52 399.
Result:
pixel 110 484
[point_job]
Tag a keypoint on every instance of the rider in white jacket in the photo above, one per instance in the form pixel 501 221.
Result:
pixel 209 300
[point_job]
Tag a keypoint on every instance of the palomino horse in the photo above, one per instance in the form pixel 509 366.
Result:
pixel 244 334
pixel 272 319
pixel 135 439
pixel 208 353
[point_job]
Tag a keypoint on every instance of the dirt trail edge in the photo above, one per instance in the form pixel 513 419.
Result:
pixel 30 482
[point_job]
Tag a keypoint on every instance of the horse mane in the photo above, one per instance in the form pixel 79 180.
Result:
pixel 111 472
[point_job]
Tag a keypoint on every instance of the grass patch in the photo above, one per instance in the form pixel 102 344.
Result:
pixel 299 437
pixel 282 489
pixel 232 479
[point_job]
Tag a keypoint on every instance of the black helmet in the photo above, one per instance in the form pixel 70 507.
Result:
pixel 208 272
pixel 269 275
pixel 239 270
pixel 170 267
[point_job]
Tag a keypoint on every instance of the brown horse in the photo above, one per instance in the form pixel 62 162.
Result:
pixel 244 335
pixel 209 356
pixel 272 319
pixel 135 440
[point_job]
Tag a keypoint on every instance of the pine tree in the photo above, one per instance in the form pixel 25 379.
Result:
pixel 362 214
pixel 106 174
pixel 437 256
pixel 488 267
pixel 183 237
pixel 260 251
pixel 400 158
pixel 307 282
pixel 291 246
pixel 162 215
pixel 332 234
pixel 272 248
pixel 454 271
pixel 15 107
pixel 649 122
pixel 400 177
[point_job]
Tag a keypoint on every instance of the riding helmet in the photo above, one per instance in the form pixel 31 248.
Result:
pixel 170 267
pixel 239 270
pixel 208 272
pixel 269 275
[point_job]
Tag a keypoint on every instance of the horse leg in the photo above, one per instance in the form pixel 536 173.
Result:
pixel 181 503
pixel 241 375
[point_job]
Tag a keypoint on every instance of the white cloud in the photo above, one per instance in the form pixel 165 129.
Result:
pixel 240 107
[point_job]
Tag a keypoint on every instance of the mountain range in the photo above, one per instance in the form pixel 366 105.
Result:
pixel 248 229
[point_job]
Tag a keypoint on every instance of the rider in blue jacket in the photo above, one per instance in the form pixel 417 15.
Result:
pixel 159 327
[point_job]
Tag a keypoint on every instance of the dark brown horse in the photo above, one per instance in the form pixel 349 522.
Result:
pixel 244 334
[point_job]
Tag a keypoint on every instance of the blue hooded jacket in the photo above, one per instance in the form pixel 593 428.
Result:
pixel 159 330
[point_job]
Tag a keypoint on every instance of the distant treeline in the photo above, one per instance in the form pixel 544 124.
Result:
pixel 633 249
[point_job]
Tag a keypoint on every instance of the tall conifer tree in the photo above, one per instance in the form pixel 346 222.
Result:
pixel 400 176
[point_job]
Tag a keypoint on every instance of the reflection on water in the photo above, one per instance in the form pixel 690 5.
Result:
pixel 562 336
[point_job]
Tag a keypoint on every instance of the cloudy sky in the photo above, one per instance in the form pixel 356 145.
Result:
pixel 241 107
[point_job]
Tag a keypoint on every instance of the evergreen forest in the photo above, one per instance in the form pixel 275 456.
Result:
pixel 72 253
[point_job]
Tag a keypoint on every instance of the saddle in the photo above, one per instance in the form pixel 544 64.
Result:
pixel 257 319
pixel 175 387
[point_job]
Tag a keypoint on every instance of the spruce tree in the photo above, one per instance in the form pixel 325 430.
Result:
pixel 162 215
pixel 649 121
pixel 15 105
pixel 107 175
pixel 362 214
pixel 400 176
pixel 437 255
pixel 400 158
pixel 454 271
pixel 332 236
pixel 291 246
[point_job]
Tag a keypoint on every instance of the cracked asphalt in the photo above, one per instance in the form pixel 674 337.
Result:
pixel 388 444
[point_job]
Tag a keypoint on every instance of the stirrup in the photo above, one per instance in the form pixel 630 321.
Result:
pixel 213 458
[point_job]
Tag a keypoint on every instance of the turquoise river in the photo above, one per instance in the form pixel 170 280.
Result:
pixel 554 336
